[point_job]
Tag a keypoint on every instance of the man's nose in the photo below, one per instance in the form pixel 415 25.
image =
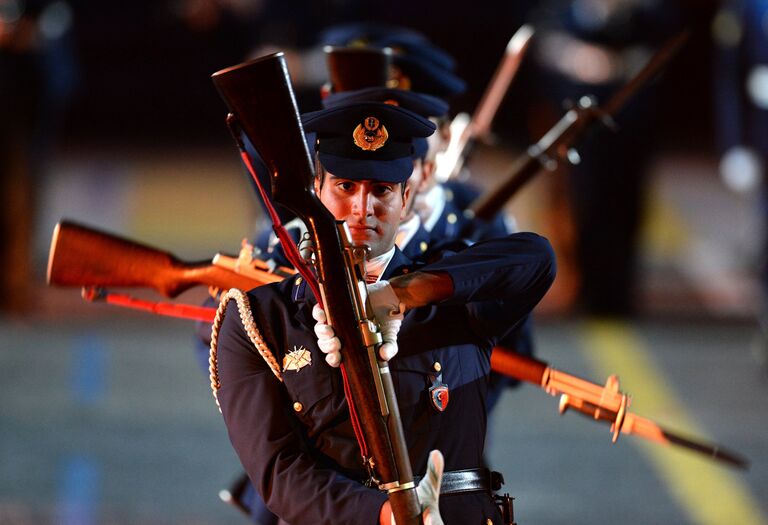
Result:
pixel 363 203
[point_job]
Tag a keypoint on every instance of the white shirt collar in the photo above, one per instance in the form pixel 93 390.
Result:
pixel 407 230
pixel 433 204
pixel 377 265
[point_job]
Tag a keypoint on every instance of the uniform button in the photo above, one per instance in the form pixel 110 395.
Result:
pixel 423 246
pixel 298 407
pixel 448 195
pixel 298 281
pixel 452 218
pixel 489 521
pixel 437 366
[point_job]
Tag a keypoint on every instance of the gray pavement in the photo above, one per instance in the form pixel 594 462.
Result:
pixel 107 417
pixel 113 422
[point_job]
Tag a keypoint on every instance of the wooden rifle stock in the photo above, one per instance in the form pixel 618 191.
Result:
pixel 83 256
pixel 259 96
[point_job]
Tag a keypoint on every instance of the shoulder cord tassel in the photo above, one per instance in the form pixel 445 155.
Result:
pixel 246 316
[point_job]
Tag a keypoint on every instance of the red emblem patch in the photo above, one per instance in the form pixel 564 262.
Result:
pixel 439 395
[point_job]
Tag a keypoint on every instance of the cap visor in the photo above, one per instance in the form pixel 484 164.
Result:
pixel 397 170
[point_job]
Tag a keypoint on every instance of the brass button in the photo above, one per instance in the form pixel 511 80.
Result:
pixel 298 407
pixel 423 246
pixel 452 218
pixel 298 281
pixel 448 195
pixel 489 521
pixel 437 366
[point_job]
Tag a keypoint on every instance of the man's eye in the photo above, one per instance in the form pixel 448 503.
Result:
pixel 346 186
pixel 382 189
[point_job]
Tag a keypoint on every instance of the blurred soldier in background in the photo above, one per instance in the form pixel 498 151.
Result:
pixel 592 47
pixel 740 31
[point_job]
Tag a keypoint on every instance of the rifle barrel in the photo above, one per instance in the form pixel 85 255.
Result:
pixel 652 68
pixel 645 428
pixel 502 78
pixel 599 403
pixel 567 130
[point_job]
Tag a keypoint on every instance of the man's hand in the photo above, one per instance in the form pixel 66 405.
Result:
pixel 327 341
pixel 428 492
pixel 388 311
pixel 428 489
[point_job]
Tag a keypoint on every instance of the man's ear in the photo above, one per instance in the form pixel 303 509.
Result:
pixel 407 196
pixel 428 175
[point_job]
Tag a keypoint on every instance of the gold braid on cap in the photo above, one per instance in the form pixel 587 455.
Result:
pixel 246 317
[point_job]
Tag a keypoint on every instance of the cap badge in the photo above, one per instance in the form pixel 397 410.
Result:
pixel 370 135
pixel 297 359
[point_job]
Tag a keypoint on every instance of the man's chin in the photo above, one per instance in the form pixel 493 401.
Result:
pixel 368 237
pixel 375 245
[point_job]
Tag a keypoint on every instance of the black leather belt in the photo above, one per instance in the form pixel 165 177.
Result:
pixel 469 480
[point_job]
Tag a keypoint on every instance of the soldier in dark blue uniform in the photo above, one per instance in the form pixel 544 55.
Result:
pixel 741 89
pixel 593 48
pixel 421 66
pixel 294 435
pixel 441 205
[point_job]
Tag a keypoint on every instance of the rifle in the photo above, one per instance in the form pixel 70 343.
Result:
pixel 465 130
pixel 261 103
pixel 555 146
pixel 82 256
pixel 86 257
pixel 602 403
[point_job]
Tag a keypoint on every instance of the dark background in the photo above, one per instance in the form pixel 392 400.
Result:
pixel 144 73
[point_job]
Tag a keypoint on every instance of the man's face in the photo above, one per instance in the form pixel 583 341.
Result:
pixel 371 209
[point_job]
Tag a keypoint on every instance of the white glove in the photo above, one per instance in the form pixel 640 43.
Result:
pixel 741 169
pixel 327 341
pixel 388 311
pixel 428 490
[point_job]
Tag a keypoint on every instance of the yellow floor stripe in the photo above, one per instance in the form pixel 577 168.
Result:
pixel 708 493
pixel 665 234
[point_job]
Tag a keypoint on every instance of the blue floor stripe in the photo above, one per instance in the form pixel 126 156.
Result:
pixel 89 367
pixel 78 492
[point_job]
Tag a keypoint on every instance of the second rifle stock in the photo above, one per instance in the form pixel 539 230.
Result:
pixel 83 256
